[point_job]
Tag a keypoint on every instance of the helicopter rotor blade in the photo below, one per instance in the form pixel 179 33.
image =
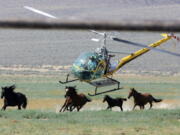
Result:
pixel 95 39
pixel 40 12
pixel 96 32
pixel 144 46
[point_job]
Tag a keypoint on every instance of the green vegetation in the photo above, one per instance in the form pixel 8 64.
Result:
pixel 42 86
pixel 44 93
pixel 90 122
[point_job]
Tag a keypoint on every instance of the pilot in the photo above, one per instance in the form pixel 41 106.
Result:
pixel 92 63
pixel 102 52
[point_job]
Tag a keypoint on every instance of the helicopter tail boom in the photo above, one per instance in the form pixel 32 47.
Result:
pixel 140 52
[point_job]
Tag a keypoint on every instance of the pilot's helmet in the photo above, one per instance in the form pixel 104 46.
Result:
pixel 98 50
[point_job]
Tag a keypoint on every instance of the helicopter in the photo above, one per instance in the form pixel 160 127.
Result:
pixel 96 68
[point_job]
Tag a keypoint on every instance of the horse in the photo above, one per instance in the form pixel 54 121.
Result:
pixel 114 102
pixel 12 98
pixel 68 105
pixel 78 100
pixel 142 99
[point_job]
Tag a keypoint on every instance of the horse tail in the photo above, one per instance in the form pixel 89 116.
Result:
pixel 24 103
pixel 156 100
pixel 88 99
pixel 124 99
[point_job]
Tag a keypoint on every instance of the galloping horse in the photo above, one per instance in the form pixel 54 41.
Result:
pixel 68 105
pixel 78 100
pixel 142 99
pixel 12 98
pixel 114 102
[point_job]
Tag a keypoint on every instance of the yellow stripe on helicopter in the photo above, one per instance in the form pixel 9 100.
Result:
pixel 140 52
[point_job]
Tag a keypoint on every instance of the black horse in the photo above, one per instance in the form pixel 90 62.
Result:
pixel 114 102
pixel 12 98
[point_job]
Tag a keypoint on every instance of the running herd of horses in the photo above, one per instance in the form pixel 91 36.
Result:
pixel 74 100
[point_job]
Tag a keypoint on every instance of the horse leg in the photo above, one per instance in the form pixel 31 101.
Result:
pixel 108 107
pixel 19 107
pixel 142 107
pixel 68 107
pixel 79 107
pixel 134 106
pixel 63 107
pixel 150 105
pixel 121 108
pixel 4 107
pixel 72 108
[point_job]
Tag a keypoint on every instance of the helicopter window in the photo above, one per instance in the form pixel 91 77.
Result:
pixel 88 66
pixel 87 61
pixel 113 66
pixel 92 63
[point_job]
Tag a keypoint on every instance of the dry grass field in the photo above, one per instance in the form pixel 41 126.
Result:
pixel 46 96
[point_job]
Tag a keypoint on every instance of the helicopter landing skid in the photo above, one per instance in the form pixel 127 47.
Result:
pixel 104 83
pixel 67 80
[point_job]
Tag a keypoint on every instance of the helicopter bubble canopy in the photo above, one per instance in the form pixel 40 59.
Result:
pixel 89 66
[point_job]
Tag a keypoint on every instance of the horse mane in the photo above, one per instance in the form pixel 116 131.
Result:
pixel 133 89
pixel 9 88
pixel 107 96
pixel 12 87
pixel 75 90
pixel 72 88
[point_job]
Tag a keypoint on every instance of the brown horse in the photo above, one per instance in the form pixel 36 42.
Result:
pixel 142 99
pixel 68 105
pixel 78 100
